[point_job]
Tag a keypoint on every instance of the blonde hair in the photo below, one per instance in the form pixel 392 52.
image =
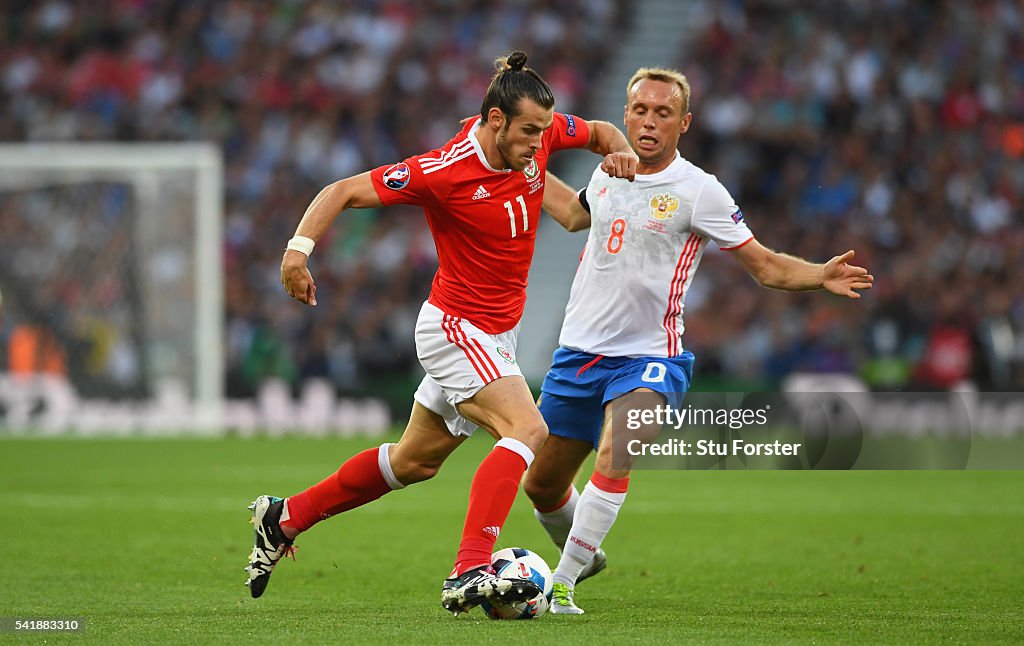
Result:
pixel 666 75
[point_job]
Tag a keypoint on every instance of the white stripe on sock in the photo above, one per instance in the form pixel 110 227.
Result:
pixel 518 447
pixel 384 463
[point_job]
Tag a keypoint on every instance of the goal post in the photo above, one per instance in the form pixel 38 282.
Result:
pixel 69 192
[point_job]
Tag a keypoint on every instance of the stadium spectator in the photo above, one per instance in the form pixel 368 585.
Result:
pixel 33 350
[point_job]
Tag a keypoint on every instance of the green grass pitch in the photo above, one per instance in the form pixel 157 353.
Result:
pixel 147 539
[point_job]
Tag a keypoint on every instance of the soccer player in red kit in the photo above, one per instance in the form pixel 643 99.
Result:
pixel 482 196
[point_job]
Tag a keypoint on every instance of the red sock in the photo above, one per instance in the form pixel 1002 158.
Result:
pixel 491 496
pixel 611 485
pixel 356 483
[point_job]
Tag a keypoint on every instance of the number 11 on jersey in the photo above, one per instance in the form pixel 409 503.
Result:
pixel 512 215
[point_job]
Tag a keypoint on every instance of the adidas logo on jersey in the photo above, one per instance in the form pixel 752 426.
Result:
pixel 481 193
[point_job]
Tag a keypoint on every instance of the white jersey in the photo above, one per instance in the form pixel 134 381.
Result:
pixel 646 240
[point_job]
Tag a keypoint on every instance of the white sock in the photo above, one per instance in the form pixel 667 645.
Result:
pixel 595 514
pixel 559 522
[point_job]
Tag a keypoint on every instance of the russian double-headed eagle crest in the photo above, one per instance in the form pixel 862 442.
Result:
pixel 664 206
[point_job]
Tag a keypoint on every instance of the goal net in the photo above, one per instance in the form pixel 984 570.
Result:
pixel 111 281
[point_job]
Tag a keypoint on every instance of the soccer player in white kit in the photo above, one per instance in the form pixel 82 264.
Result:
pixel 621 338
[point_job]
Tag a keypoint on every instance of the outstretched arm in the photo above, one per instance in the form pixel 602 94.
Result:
pixel 561 202
pixel 619 158
pixel 351 193
pixel 782 271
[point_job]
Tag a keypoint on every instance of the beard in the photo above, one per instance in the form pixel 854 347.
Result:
pixel 512 160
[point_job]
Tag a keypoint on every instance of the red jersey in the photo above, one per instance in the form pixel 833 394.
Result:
pixel 484 221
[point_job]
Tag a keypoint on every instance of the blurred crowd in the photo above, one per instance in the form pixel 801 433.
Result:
pixel 298 94
pixel 892 127
pixel 889 126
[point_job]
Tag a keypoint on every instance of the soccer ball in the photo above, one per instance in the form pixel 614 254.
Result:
pixel 517 563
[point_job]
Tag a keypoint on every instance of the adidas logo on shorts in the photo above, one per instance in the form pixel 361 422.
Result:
pixel 481 193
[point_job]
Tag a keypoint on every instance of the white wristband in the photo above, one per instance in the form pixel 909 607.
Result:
pixel 301 243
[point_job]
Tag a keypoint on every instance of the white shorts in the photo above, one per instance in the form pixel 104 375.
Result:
pixel 459 359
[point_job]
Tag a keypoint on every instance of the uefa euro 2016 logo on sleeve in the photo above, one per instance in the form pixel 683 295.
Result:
pixel 397 177
pixel 570 125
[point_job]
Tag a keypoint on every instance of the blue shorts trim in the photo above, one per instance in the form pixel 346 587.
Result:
pixel 579 384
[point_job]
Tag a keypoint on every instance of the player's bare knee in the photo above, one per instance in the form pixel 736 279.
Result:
pixel 532 434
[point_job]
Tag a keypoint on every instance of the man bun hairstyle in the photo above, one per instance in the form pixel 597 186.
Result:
pixel 513 81
pixel 516 61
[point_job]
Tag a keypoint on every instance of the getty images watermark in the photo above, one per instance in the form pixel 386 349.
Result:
pixel 667 417
pixel 818 431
